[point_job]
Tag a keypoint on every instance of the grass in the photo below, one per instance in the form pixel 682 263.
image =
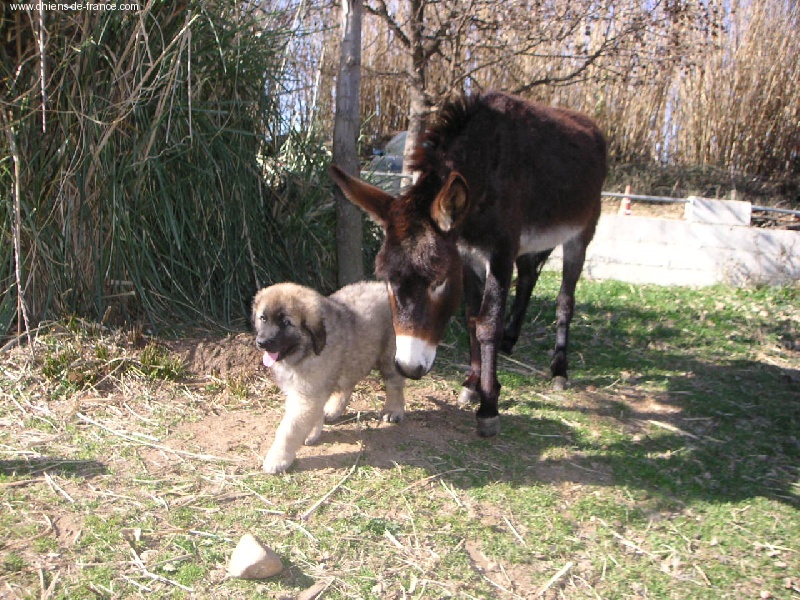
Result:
pixel 668 470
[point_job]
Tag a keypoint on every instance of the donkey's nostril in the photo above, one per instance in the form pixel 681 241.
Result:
pixel 409 372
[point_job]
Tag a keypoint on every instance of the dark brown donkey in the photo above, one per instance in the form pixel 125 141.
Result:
pixel 500 181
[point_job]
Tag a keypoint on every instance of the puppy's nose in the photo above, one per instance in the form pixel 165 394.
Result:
pixel 262 343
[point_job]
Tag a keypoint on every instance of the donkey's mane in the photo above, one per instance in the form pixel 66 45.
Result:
pixel 450 120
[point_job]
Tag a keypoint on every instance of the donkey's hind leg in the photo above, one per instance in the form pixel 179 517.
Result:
pixel 574 255
pixel 529 266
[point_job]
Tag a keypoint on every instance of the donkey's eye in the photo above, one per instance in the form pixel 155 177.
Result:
pixel 437 287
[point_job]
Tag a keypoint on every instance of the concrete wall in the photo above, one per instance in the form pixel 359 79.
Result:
pixel 672 252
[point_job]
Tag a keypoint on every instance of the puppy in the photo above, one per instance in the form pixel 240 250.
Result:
pixel 318 349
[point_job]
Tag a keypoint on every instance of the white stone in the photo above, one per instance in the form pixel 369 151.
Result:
pixel 718 212
pixel 251 559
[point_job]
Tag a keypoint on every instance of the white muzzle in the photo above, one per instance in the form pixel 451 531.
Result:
pixel 413 357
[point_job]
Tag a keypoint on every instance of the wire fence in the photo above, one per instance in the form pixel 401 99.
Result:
pixel 381 178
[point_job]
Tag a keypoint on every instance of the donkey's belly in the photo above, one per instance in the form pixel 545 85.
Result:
pixel 537 239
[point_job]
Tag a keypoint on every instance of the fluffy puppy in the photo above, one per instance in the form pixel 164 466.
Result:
pixel 318 349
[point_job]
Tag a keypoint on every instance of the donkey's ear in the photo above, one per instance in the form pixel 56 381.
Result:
pixel 372 199
pixel 451 204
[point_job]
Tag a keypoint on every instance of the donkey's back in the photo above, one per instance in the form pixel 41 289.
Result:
pixel 539 168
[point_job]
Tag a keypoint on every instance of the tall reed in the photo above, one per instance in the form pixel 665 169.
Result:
pixel 153 186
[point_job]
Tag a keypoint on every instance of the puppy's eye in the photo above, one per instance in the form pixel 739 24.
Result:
pixel 263 318
pixel 286 322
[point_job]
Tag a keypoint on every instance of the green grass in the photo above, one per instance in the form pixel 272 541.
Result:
pixel 668 470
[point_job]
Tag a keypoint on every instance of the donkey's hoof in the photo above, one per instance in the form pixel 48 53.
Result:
pixel 559 383
pixel 488 427
pixel 468 397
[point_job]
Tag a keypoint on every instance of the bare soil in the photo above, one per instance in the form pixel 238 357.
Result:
pixel 429 413
pixel 433 419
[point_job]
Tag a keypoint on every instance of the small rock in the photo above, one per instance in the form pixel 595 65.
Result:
pixel 253 560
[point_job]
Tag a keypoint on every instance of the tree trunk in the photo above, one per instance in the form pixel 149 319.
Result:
pixel 349 227
pixel 418 104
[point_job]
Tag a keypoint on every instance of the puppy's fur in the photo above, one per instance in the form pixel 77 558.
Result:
pixel 318 349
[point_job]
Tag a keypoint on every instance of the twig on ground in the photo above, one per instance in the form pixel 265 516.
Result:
pixel 135 583
pixel 260 497
pixel 209 535
pixel 394 541
pixel 305 516
pixel 552 581
pixel 155 577
pixel 58 488
pixel 500 587
pixel 627 542
pixel 48 591
pixel 430 478
pixel 702 574
pixel 301 529
pixel 544 396
pixel 316 590
pixel 679 431
pixel 6 484
pixel 514 531
pixel 526 368
pixel 452 492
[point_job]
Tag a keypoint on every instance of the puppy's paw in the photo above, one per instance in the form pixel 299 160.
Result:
pixel 274 464
pixel 333 413
pixel 393 416
pixel 335 405
pixel 314 435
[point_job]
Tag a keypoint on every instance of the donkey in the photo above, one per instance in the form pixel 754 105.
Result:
pixel 500 181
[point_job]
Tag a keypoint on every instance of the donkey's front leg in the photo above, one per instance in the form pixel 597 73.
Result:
pixel 473 299
pixel 489 332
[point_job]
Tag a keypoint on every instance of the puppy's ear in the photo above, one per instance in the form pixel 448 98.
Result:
pixel 316 331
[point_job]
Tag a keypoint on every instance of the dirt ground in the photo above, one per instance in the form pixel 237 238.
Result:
pixel 430 409
pixel 250 433
pixel 433 419
pixel 433 422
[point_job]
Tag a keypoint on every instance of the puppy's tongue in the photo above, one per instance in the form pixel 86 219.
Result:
pixel 269 359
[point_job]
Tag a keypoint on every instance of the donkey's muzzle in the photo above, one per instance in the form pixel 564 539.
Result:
pixel 413 357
